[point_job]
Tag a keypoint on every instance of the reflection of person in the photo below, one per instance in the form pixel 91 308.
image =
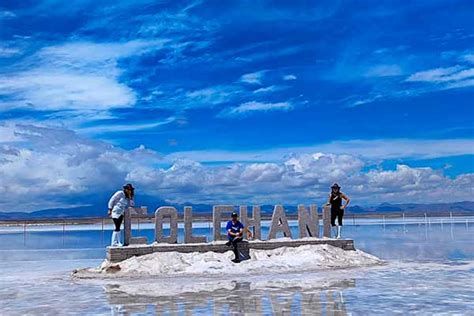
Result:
pixel 235 232
pixel 337 304
pixel 337 209
pixel 118 203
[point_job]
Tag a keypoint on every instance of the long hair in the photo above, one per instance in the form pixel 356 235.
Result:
pixel 129 194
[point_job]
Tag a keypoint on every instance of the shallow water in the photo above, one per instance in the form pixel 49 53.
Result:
pixel 429 270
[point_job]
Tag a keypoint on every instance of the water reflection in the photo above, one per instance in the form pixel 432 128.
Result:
pixel 434 239
pixel 430 270
pixel 233 297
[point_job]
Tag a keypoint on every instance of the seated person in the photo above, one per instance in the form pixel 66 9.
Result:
pixel 235 231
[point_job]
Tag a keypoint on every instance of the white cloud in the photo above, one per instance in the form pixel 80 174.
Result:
pixel 468 58
pixel 403 177
pixel 262 172
pixel 108 128
pixel 68 169
pixel 447 78
pixel 8 134
pixel 254 106
pixel 289 77
pixel 366 100
pixel 378 149
pixel 6 52
pixel 437 75
pixel 460 84
pixel 384 71
pixel 427 81
pixel 433 75
pixel 46 167
pixel 461 75
pixel 210 96
pixel 226 94
pixel 254 77
pixel 301 179
pixel 79 54
pixel 64 90
pixel 270 89
pixel 77 76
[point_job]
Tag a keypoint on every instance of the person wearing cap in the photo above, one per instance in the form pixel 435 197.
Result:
pixel 337 209
pixel 235 232
pixel 118 203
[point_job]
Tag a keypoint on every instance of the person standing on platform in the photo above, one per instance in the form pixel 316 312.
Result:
pixel 118 204
pixel 337 209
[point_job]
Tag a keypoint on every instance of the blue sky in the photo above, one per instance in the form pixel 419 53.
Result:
pixel 236 101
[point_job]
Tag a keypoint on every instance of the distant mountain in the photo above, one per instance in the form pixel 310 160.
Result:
pixel 74 212
pixel 466 207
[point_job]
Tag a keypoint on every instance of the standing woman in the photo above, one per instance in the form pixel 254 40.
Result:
pixel 118 203
pixel 337 209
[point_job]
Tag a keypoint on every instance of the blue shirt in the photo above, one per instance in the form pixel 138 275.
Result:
pixel 234 227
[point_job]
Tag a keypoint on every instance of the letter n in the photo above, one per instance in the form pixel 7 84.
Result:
pixel 308 222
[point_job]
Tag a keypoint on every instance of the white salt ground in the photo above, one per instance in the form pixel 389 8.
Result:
pixel 291 259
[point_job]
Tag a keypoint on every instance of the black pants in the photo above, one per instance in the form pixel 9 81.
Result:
pixel 336 213
pixel 235 241
pixel 118 223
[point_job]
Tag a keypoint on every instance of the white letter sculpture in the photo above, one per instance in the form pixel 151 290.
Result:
pixel 279 223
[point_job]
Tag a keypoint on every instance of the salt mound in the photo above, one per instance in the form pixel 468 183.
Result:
pixel 303 258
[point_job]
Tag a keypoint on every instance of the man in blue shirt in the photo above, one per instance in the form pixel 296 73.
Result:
pixel 235 231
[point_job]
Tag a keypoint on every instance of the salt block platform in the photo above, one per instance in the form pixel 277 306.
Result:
pixel 116 254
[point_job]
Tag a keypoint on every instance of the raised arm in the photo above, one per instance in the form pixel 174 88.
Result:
pixel 249 233
pixel 346 198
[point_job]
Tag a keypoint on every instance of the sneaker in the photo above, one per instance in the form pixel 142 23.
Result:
pixel 236 260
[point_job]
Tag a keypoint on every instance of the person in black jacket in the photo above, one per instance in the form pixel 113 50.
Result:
pixel 337 209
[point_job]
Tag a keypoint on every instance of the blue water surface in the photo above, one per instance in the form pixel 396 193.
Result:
pixel 429 270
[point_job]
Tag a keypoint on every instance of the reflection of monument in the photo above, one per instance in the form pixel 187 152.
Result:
pixel 230 297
